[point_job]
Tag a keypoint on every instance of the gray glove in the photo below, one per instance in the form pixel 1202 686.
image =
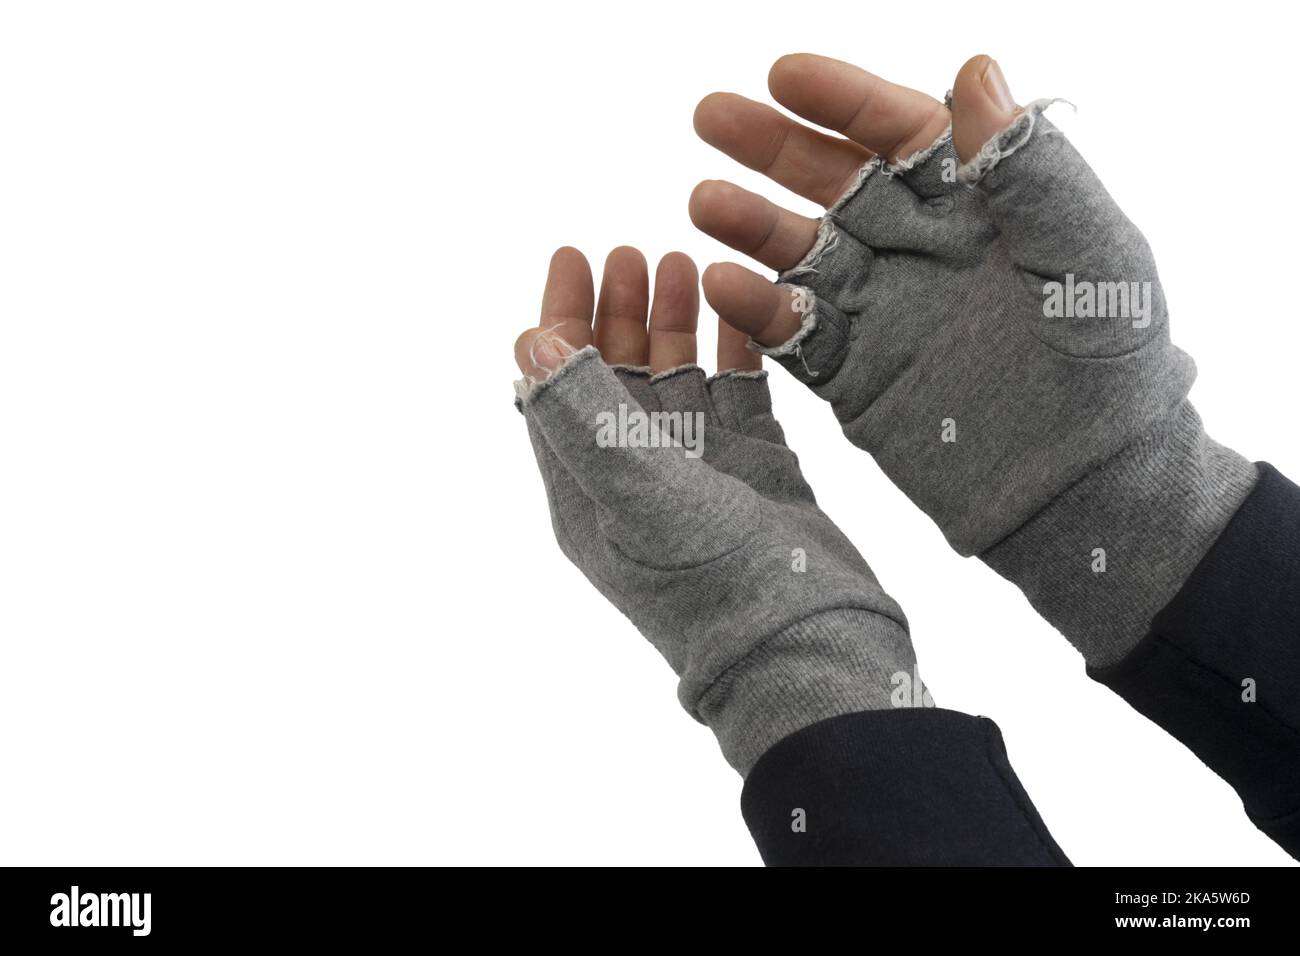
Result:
pixel 1043 427
pixel 724 562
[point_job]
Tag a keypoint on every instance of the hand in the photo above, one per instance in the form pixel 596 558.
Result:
pixel 724 562
pixel 987 323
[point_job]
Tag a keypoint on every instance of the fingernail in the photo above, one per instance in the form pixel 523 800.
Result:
pixel 549 351
pixel 995 85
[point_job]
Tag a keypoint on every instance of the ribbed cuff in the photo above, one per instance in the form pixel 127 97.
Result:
pixel 838 662
pixel 1105 556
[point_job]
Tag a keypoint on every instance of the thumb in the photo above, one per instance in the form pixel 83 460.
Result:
pixel 1056 217
pixel 982 105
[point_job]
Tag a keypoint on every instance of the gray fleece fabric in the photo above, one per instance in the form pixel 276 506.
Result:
pixel 995 335
pixel 715 548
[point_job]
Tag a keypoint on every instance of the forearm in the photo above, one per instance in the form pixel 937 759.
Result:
pixel 1220 666
pixel 1175 570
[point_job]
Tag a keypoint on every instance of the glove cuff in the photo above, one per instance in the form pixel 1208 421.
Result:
pixel 1107 554
pixel 836 662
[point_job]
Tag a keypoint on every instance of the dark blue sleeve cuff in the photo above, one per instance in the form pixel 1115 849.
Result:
pixel 908 787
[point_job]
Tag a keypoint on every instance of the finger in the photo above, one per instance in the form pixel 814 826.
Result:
pixel 982 105
pixel 620 333
pixel 674 313
pixel 569 297
pixel 734 351
pixel 751 224
pixel 811 163
pixel 751 304
pixel 891 120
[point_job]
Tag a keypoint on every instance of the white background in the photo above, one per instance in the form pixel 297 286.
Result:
pixel 277 580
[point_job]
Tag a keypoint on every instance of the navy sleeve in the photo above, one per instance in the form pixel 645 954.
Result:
pixel 907 787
